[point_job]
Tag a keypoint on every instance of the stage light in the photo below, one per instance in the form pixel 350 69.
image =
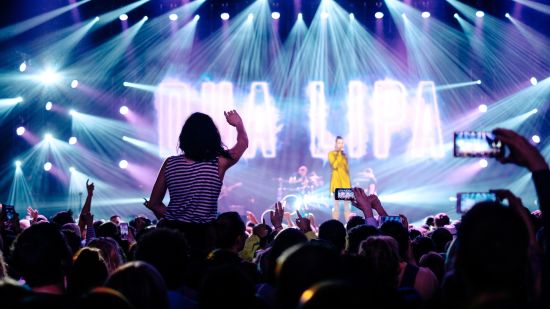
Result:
pixel 73 113
pixel 49 106
pixel 49 77
pixel 535 110
pixel 426 14
pixel 250 17
pixel 478 81
pixel 224 16
pixel 145 18
pixel 404 15
pixel 535 139
pixel 455 15
pixel 483 163
pixel 123 164
pixel 480 14
pixel 74 83
pixel 379 15
pixel 534 81
pixel 275 15
pixel 482 108
pixel 351 16
pixel 23 66
pixel 47 166
pixel 507 15
pixel 324 15
pixel 48 137
pixel 300 16
pixel 452 198
pixel 20 131
pixel 173 17
pixel 124 110
pixel 72 169
pixel 197 17
pixel 123 17
pixel 126 84
pixel 96 18
pixel 72 140
pixel 17 163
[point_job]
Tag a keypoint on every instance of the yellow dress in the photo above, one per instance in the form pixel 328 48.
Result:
pixel 340 171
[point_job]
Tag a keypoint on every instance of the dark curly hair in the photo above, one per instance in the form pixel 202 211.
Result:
pixel 200 139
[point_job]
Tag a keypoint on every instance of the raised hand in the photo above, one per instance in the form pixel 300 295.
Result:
pixel 522 152
pixel 32 213
pixel 251 217
pixel 277 215
pixel 304 224
pixel 89 187
pixel 233 118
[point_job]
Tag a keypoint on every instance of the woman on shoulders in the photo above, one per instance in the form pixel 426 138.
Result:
pixel 194 178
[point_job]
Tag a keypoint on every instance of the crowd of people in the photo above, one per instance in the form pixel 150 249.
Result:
pixel 190 256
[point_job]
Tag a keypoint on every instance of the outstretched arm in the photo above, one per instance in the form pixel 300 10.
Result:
pixel 236 152
pixel 86 208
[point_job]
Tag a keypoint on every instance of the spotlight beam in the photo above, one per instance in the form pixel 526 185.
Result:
pixel 543 8
pixel 21 27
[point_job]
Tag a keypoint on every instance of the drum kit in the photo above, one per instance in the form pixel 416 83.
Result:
pixel 306 196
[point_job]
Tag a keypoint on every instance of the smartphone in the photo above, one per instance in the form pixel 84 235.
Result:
pixel 344 194
pixel 466 200
pixel 384 219
pixel 123 230
pixel 9 210
pixel 477 144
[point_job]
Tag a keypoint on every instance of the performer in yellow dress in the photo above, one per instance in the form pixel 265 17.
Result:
pixel 340 177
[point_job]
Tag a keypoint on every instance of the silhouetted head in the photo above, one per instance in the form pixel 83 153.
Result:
pixel 110 251
pixel 354 221
pixel 41 255
pixel 357 234
pixel 441 237
pixel 382 262
pixel 334 232
pixel 168 252
pixel 400 234
pixel 89 271
pixel 63 217
pixel 230 231
pixel 142 285
pixel 200 139
pixel 441 219
pixel 420 246
pixel 491 252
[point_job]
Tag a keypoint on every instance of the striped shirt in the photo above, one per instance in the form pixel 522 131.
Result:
pixel 194 189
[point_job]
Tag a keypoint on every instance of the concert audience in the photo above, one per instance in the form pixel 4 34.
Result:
pixel 495 258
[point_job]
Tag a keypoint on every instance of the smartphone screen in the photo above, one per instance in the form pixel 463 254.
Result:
pixel 344 194
pixel 477 144
pixel 466 200
pixel 123 229
pixel 384 219
pixel 9 210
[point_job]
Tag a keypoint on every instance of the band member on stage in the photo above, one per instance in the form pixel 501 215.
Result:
pixel 367 181
pixel 300 178
pixel 340 176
